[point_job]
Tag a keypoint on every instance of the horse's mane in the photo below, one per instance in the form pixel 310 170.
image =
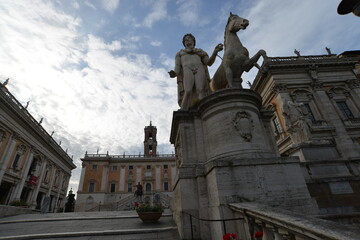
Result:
pixel 227 27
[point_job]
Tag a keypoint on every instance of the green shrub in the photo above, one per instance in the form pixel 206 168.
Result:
pixel 143 207
pixel 19 204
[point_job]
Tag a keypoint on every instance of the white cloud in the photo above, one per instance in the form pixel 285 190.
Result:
pixel 89 4
pixel 169 63
pixel 110 5
pixel 96 43
pixel 155 43
pixel 158 12
pixel 189 13
pixel 88 96
pixel 75 4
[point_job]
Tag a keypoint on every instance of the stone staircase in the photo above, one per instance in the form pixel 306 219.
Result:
pixel 124 225
pixel 127 203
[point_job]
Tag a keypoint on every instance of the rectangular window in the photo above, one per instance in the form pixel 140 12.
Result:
pixel 345 110
pixel 94 167
pixel 166 186
pixel 131 167
pixel 310 113
pixel 92 187
pixel 112 187
pixel 46 176
pixel 276 124
pixel 148 167
pixel 114 168
pixel 165 166
pixel 16 161
pixel 130 187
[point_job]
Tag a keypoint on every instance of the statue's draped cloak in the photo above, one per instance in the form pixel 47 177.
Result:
pixel 179 71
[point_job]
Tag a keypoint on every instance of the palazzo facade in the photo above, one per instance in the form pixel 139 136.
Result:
pixel 315 102
pixel 32 165
pixel 109 181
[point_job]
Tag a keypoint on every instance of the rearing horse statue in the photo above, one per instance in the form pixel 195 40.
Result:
pixel 236 57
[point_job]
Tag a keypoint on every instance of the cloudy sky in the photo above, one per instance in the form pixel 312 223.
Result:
pixel 96 70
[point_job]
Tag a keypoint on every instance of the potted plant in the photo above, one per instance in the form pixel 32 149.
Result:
pixel 148 213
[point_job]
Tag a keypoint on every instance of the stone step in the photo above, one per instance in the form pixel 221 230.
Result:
pixel 96 225
pixel 150 233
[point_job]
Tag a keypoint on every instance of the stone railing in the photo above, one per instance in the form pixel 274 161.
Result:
pixel 295 58
pixel 279 224
pixel 121 156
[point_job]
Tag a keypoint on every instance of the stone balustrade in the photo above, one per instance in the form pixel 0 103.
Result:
pixel 279 224
pixel 87 155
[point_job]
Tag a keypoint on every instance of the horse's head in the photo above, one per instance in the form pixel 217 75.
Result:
pixel 235 23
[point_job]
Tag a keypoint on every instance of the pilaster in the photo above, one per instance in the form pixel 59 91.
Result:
pixel 82 176
pixel 20 186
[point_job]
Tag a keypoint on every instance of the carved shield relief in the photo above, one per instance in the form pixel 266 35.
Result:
pixel 244 125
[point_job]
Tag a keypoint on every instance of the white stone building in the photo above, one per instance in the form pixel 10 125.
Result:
pixel 32 164
pixel 316 104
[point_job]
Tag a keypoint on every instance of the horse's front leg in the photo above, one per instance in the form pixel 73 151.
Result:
pixel 253 61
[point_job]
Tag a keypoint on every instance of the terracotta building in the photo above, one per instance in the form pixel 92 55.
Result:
pixel 109 181
pixel 315 102
pixel 32 165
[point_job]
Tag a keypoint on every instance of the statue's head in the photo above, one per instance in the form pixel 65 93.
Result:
pixel 189 35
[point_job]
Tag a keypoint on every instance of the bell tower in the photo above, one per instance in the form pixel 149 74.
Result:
pixel 150 142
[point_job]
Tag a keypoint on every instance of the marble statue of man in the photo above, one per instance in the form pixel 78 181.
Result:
pixel 192 73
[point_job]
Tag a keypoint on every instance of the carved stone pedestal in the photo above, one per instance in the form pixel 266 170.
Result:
pixel 226 153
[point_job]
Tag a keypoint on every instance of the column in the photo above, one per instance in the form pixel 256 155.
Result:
pixel 82 176
pixel 6 157
pixel 173 175
pixel 20 186
pixel 58 194
pixel 51 181
pixel 39 182
pixel 65 189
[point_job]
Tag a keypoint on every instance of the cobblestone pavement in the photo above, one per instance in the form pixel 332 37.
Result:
pixel 87 225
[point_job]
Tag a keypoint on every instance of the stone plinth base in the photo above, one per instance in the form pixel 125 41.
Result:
pixel 225 153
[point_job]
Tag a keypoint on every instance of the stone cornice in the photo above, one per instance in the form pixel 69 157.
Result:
pixel 15 107
pixel 302 63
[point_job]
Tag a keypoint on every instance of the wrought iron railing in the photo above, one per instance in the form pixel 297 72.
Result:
pixel 223 222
